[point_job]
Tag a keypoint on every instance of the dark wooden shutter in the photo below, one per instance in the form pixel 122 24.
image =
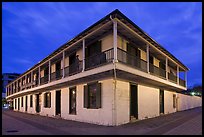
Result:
pixel 49 102
pixel 86 96
pixel 98 95
pixel 45 100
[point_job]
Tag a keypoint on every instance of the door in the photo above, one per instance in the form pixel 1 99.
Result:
pixel 37 103
pixel 72 100
pixel 26 104
pixel 133 101
pixel 58 103
pixel 161 101
pixel 133 55
pixel 72 65
pixel 58 68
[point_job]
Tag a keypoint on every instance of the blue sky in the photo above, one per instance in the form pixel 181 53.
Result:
pixel 33 30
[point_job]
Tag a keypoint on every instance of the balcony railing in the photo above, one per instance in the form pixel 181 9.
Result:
pixel 157 71
pixel 172 77
pixel 99 59
pixel 73 68
pixel 134 61
pixel 182 82
pixel 44 80
pixel 56 75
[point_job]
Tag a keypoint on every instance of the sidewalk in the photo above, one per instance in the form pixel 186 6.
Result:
pixel 180 123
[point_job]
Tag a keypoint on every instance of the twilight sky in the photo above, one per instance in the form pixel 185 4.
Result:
pixel 33 30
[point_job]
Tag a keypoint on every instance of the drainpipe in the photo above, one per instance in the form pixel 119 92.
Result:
pixel 114 113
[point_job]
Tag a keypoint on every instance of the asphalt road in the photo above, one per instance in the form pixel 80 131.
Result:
pixel 187 122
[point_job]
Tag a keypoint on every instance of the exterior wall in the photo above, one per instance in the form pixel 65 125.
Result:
pixel 122 102
pixel 31 109
pixel 148 102
pixel 107 42
pixel 122 43
pixel 66 61
pixel 53 68
pixel 41 73
pixel 102 116
pixel 187 102
pixel 48 111
pixel 168 102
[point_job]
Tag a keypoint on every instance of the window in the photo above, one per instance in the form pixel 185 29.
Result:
pixel 21 101
pixel 47 100
pixel 92 96
pixel 174 100
pixel 14 103
pixel 31 100
pixel 72 100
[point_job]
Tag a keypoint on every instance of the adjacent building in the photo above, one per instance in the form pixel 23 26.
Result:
pixel 7 78
pixel 112 73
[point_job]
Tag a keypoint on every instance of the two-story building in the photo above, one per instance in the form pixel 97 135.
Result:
pixel 110 74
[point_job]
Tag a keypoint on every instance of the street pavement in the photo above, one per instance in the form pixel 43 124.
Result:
pixel 188 122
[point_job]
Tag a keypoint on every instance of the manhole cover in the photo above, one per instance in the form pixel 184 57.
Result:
pixel 12 131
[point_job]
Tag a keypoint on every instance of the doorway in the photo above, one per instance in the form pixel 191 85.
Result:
pixel 133 101
pixel 58 103
pixel 161 101
pixel 37 103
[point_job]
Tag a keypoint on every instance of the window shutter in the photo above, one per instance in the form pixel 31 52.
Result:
pixel 98 96
pixel 49 102
pixel 86 96
pixel 45 99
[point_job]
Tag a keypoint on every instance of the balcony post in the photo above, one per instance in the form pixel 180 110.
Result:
pixel 63 62
pixel 115 40
pixel 185 77
pixel 26 81
pixel 177 74
pixel 49 72
pixel 39 76
pixel 147 50
pixel 83 55
pixel 31 77
pixel 166 68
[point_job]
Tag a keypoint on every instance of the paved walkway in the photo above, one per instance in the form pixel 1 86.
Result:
pixel 181 123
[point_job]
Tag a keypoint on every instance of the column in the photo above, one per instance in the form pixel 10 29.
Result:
pixel 63 56
pixel 147 50
pixel 39 76
pixel 177 74
pixel 83 55
pixel 49 72
pixel 115 40
pixel 167 68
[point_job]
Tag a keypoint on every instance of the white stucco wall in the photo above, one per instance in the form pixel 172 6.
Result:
pixel 101 116
pixel 187 102
pixel 122 102
pixel 168 102
pixel 148 102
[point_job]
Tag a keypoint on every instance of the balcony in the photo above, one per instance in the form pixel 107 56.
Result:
pixel 73 68
pixel 99 59
pixel 157 71
pixel 182 82
pixel 131 60
pixel 44 80
pixel 172 77
pixel 56 75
